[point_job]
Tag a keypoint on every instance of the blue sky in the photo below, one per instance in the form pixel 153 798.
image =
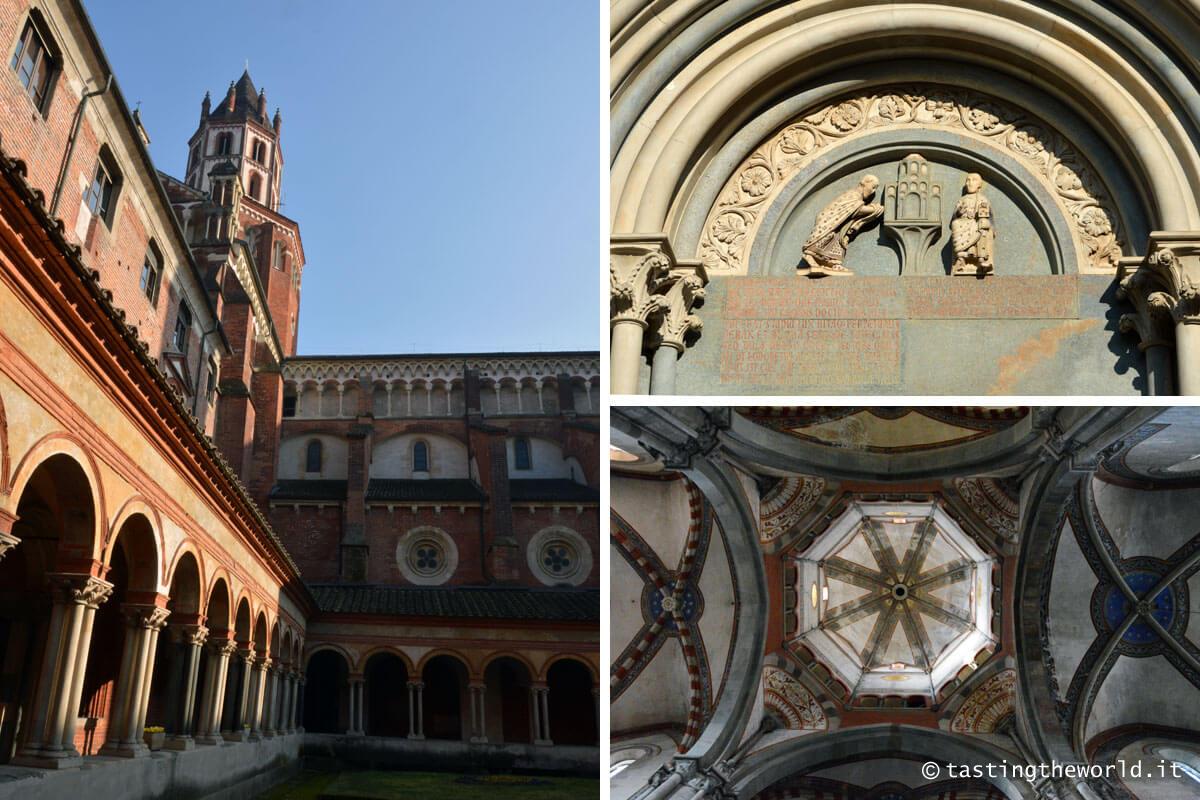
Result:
pixel 441 158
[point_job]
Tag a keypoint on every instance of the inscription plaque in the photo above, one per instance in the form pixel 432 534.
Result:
pixel 811 352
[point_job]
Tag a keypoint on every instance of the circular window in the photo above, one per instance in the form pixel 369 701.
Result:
pixel 426 556
pixel 559 556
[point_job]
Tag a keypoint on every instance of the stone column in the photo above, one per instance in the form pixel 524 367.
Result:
pixel 51 740
pixel 1153 324
pixel 270 678
pixel 416 710
pixel 212 698
pixel 193 638
pixel 1169 281
pixel 128 718
pixel 241 715
pixel 258 690
pixel 675 323
pixel 539 712
pixel 478 719
pixel 637 268
pixel 293 691
pixel 299 712
pixel 356 693
pixel 7 540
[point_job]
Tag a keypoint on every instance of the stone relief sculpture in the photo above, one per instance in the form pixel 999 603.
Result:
pixel 836 225
pixel 971 233
pixel 733 221
pixel 913 216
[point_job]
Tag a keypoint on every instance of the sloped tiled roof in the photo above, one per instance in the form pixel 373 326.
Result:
pixel 308 490
pixel 567 605
pixel 551 489
pixel 461 490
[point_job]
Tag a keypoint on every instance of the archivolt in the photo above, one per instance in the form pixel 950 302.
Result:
pixel 683 90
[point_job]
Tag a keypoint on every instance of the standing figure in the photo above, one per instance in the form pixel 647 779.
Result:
pixel 971 232
pixel 836 225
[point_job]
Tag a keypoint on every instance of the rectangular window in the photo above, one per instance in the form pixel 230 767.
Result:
pixel 33 65
pixel 183 324
pixel 289 405
pixel 99 194
pixel 150 277
pixel 212 379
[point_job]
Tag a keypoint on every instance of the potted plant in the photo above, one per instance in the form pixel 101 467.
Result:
pixel 154 736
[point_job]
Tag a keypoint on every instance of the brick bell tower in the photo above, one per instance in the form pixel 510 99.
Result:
pixel 236 137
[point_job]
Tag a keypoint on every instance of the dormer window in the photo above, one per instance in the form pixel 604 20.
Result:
pixel 34 65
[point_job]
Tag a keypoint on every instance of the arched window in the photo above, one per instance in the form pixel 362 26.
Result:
pixel 521 457
pixel 224 143
pixel 420 457
pixel 255 186
pixel 312 456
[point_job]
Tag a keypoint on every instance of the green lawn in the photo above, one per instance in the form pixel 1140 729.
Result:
pixel 387 785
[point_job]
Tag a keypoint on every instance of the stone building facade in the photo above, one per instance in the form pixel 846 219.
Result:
pixel 816 603
pixel 193 535
pixel 1005 193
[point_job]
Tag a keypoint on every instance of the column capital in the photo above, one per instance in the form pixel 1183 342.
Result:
pixel 150 617
pixel 1167 280
pixel 188 633
pixel 638 266
pixel 416 684
pixel 476 685
pixel 681 290
pixel 7 540
pixel 87 590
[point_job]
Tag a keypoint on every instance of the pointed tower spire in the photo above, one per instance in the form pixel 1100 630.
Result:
pixel 205 107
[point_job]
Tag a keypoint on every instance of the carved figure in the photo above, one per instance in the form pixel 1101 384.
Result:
pixel 971 233
pixel 836 225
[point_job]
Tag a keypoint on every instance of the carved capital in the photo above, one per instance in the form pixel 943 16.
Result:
pixel 1165 288
pixel 7 540
pixel 223 647
pixel 638 268
pixel 144 616
pixel 681 291
pixel 87 590
pixel 195 635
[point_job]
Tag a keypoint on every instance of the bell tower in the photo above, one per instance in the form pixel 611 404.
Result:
pixel 237 129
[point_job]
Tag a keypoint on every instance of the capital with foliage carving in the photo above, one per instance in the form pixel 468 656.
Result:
pixel 7 540
pixel 638 268
pixel 1165 288
pixel 681 291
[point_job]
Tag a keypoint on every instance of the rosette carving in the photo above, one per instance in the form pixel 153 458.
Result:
pixel 731 223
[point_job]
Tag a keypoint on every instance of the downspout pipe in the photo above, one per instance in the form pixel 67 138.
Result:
pixel 62 172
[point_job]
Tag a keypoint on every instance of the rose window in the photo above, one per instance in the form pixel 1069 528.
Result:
pixel 559 558
pixel 426 557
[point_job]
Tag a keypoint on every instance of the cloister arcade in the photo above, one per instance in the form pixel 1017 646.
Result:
pixel 103 632
pixel 496 698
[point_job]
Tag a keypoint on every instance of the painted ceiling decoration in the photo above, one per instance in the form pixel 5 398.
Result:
pixel 918 601
pixel 1139 607
pixel 996 502
pixel 895 598
pixel 672 607
pixel 786 503
pixel 883 429
pixel 793 703
pixel 988 707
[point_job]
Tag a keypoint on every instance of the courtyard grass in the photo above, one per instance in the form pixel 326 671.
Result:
pixel 372 785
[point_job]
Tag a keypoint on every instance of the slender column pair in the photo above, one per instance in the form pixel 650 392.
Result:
pixel 539 714
pixel 270 714
pixel 191 640
pixel 128 717
pixel 243 698
pixel 51 741
pixel 416 710
pixel 356 707
pixel 478 723
pixel 258 689
pixel 212 696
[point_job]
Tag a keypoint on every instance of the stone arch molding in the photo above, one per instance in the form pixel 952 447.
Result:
pixel 733 223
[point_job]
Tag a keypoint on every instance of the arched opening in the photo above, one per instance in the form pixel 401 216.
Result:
pixel 507 701
pixel 386 699
pixel 325 693
pixel 174 659
pixel 572 705
pixel 233 711
pixel 420 457
pixel 445 680
pixel 312 456
pixel 56 520
pixel 113 684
